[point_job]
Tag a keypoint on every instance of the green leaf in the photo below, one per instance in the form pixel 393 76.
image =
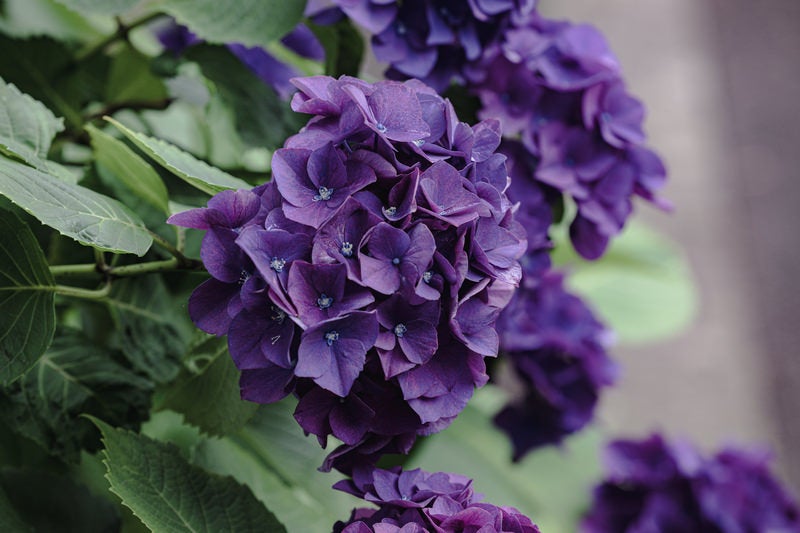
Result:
pixel 209 397
pixel 27 308
pixel 131 80
pixel 101 7
pixel 55 503
pixel 73 377
pixel 129 168
pixel 273 457
pixel 551 486
pixel 195 172
pixel 9 518
pixel 250 22
pixel 262 118
pixel 86 216
pixel 153 332
pixel 27 127
pixel 642 287
pixel 344 47
pixel 169 494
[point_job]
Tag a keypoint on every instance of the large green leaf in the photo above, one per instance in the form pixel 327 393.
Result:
pixel 169 494
pixel 27 18
pixel 27 309
pixel 262 118
pixel 273 457
pixel 74 377
pixel 153 331
pixel 551 486
pixel 250 22
pixel 129 168
pixel 195 172
pixel 207 395
pixel 642 287
pixel 102 7
pixel 131 79
pixel 27 127
pixel 86 216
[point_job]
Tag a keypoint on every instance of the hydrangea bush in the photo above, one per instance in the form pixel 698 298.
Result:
pixel 219 240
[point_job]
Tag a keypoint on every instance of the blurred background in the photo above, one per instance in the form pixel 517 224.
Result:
pixel 721 81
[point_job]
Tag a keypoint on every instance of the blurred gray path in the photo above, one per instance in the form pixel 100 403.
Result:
pixel 721 80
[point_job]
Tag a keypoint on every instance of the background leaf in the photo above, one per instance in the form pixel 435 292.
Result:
pixel 550 485
pixel 250 22
pixel 9 518
pixel 129 168
pixel 207 395
pixel 153 332
pixel 131 79
pixel 195 172
pixel 26 18
pixel 27 309
pixel 344 47
pixel 273 457
pixel 102 7
pixel 27 127
pixel 642 287
pixel 74 377
pixel 169 494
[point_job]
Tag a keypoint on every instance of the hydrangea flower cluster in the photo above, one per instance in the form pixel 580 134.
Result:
pixel 421 502
pixel 268 68
pixel 559 88
pixel 656 485
pixel 367 277
pixel 435 41
pixel 556 349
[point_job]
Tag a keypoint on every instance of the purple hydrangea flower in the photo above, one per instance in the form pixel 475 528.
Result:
pixel 433 40
pixel 367 277
pixel 658 485
pixel 416 501
pixel 557 353
pixel 559 88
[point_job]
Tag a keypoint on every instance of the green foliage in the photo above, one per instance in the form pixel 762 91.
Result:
pixel 131 79
pixel 78 212
pixel 130 169
pixel 103 7
pixel 344 47
pixel 9 518
pixel 550 486
pixel 642 288
pixel 74 377
pixel 27 18
pixel 207 393
pixel 169 494
pixel 26 126
pixel 27 311
pixel 195 172
pixel 272 457
pixel 250 22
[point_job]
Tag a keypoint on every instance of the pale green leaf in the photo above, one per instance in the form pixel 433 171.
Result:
pixel 77 212
pixel 27 127
pixel 195 172
pixel 207 395
pixel 27 308
pixel 169 494
pixel 273 457
pixel 132 80
pixel 642 287
pixel 250 22
pixel 551 485
pixel 27 18
pixel 101 7
pixel 129 168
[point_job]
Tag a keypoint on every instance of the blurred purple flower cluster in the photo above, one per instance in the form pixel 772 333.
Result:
pixel 656 485
pixel 433 40
pixel 420 502
pixel 367 277
pixel 556 349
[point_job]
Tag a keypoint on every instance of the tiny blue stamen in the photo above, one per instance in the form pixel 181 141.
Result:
pixel 400 330
pixel 347 249
pixel 324 301
pixel 331 337
pixel 278 315
pixel 380 127
pixel 390 211
pixel 426 276
pixel 324 194
pixel 277 264
pixel 419 142
pixel 396 261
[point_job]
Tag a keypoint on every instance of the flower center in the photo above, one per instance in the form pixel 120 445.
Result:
pixel 390 211
pixel 324 301
pixel 426 276
pixel 331 337
pixel 278 315
pixel 277 264
pixel 324 194
pixel 400 330
pixel 419 142
pixel 347 249
pixel 380 127
pixel 396 261
pixel 243 277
